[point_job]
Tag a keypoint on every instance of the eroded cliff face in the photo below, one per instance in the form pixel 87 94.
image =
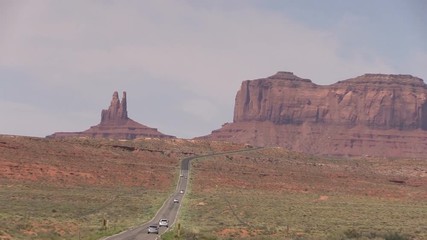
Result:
pixel 115 124
pixel 282 99
pixel 373 100
pixel 373 114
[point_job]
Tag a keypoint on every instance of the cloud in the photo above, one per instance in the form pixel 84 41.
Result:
pixel 28 120
pixel 201 47
pixel 417 65
pixel 202 50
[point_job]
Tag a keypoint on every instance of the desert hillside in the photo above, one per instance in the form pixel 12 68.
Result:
pixel 63 188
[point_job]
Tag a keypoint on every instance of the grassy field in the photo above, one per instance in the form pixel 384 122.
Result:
pixel 41 211
pixel 65 189
pixel 246 214
pixel 274 194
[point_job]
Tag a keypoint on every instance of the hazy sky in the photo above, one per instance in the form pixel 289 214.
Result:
pixel 182 62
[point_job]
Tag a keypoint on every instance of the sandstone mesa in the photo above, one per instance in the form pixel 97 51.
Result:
pixel 373 114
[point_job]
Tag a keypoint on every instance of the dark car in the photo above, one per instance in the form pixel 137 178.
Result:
pixel 153 229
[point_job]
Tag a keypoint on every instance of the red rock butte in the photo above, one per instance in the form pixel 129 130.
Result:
pixel 115 124
pixel 373 114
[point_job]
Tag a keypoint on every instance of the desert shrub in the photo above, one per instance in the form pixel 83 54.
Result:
pixel 395 236
pixel 352 234
pixel 185 235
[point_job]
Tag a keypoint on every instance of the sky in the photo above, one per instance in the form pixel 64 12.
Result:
pixel 182 62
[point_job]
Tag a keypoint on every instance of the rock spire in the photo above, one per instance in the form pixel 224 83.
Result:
pixel 117 112
pixel 115 124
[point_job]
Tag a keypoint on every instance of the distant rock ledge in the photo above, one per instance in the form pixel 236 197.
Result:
pixel 372 114
pixel 115 124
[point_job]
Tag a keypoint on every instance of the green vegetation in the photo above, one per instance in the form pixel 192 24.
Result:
pixel 274 194
pixel 184 234
pixel 248 214
pixel 52 212
pixel 87 189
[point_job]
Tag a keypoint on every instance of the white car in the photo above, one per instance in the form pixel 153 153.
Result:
pixel 153 229
pixel 182 191
pixel 163 223
pixel 175 200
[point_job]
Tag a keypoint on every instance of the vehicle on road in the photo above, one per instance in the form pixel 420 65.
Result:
pixel 153 229
pixel 175 200
pixel 182 191
pixel 163 223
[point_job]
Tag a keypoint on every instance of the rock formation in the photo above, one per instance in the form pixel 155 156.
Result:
pixel 115 124
pixel 373 114
pixel 117 112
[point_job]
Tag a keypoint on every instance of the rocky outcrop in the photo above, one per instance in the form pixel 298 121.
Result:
pixel 115 124
pixel 117 112
pixel 373 114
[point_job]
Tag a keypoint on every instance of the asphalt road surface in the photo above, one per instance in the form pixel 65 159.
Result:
pixel 169 210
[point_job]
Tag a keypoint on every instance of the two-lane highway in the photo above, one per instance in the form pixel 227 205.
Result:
pixel 170 209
